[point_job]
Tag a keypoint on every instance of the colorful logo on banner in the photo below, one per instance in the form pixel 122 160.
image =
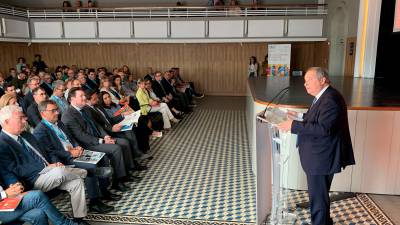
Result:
pixel 279 59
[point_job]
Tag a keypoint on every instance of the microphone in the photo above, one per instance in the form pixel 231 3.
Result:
pixel 281 93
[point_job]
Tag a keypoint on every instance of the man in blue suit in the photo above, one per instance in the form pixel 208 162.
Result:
pixel 323 139
pixel 23 159
pixel 62 147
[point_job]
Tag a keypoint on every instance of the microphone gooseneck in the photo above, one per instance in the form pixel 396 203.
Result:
pixel 280 93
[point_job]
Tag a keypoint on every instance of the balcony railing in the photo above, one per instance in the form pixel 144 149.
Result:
pixel 169 11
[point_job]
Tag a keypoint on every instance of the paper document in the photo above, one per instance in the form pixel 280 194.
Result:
pixel 90 157
pixel 129 120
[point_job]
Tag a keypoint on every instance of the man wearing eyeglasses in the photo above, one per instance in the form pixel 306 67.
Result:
pixel 58 96
pixel 39 95
pixel 62 147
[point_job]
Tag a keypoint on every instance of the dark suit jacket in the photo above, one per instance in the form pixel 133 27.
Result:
pixel 28 100
pixel 324 137
pixel 54 148
pixel 18 165
pixel 86 87
pixel 93 84
pixel 47 89
pixel 76 125
pixel 33 114
pixel 158 89
pixel 105 123
pixel 167 86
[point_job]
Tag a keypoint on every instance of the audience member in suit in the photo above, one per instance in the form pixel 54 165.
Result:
pixel 92 80
pixel 180 98
pixel 180 86
pixel 159 91
pixel 58 95
pixel 102 109
pixel 19 81
pixel 22 159
pixel 35 208
pixel 12 74
pixel 34 118
pixel 32 83
pixel 324 141
pixel 82 78
pixel 87 134
pixel 61 146
pixel 150 74
pixel 10 89
pixel 46 84
pixel 70 84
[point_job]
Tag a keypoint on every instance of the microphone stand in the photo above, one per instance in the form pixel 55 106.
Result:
pixel 281 94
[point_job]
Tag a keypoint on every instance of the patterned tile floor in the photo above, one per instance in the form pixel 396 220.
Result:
pixel 201 175
pixel 200 171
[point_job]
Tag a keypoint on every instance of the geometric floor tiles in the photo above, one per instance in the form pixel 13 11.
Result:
pixel 200 174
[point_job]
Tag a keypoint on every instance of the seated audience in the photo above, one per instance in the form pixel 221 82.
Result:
pixel 39 95
pixel 12 73
pixel 32 83
pixel 62 147
pixel 159 91
pixel 114 130
pixel 92 80
pixel 89 136
pixel 19 81
pixel 74 83
pixel 35 208
pixel 58 95
pixel 150 105
pixel 47 84
pixel 10 89
pixel 181 98
pixel 82 79
pixel 105 85
pixel 32 166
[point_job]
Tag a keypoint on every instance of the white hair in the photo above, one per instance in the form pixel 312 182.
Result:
pixel 7 111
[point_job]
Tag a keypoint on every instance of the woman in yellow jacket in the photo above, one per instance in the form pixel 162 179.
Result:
pixel 149 105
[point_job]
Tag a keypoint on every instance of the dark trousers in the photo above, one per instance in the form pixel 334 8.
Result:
pixel 318 191
pixel 115 154
pixel 94 185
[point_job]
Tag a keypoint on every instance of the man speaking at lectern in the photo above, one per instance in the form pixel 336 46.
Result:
pixel 323 139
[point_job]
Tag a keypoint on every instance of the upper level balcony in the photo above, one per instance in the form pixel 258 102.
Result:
pixel 242 23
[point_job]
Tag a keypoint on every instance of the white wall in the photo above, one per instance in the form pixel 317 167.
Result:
pixel 341 23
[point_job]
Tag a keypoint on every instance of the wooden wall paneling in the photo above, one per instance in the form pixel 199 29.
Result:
pixel 394 170
pixel 321 54
pixel 377 149
pixel 359 146
pixel 216 68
